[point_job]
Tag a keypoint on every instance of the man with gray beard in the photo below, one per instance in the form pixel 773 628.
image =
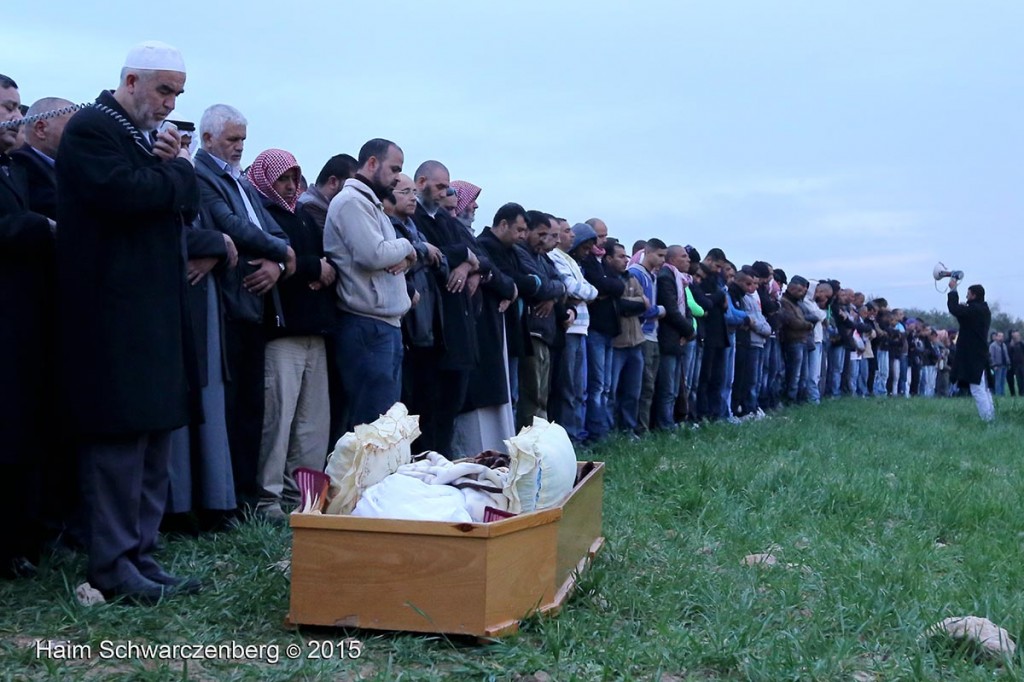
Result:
pixel 231 205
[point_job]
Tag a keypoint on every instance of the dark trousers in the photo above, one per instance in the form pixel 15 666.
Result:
pixel 555 386
pixel 1015 380
pixel 335 391
pixel 245 344
pixel 747 379
pixel 793 356
pixel 872 371
pixel 709 385
pixel 20 532
pixel 436 395
pixel 369 353
pixel 124 483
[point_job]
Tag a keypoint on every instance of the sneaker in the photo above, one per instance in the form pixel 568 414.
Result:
pixel 733 419
pixel 759 414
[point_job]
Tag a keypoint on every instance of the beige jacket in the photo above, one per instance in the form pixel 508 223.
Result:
pixel 362 244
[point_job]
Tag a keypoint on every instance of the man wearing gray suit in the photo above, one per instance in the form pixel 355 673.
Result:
pixel 250 299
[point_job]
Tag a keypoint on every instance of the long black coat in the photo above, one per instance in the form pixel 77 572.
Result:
pixel 204 243
pixel 26 316
pixel 121 277
pixel 458 337
pixel 972 359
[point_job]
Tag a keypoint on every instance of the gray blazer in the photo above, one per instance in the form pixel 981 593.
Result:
pixel 223 209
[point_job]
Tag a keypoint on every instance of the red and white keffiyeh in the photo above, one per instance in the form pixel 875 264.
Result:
pixel 467 193
pixel 267 169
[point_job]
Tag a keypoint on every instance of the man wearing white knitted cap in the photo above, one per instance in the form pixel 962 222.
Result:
pixel 126 358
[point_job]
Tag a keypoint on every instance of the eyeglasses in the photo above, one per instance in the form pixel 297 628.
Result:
pixel 407 191
pixel 450 192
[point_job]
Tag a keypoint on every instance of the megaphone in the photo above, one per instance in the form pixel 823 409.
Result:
pixel 941 272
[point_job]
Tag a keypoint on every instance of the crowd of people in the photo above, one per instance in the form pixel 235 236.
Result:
pixel 185 331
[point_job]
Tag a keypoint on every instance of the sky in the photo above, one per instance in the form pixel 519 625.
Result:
pixel 858 141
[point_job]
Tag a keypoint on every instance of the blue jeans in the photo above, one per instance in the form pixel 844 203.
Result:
pixel 903 387
pixel 513 382
pixel 693 375
pixel 771 383
pixel 730 377
pixel 666 391
pixel 858 376
pixel 836 364
pixel 928 374
pixel 625 382
pixel 794 360
pixel 369 354
pixel 812 374
pixel 1000 373
pixel 574 385
pixel 882 373
pixel 685 367
pixel 599 369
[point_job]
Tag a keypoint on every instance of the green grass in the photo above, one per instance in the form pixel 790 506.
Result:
pixel 894 513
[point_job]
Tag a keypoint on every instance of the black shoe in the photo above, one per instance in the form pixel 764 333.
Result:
pixel 18 567
pixel 140 592
pixel 220 521
pixel 176 585
pixel 184 524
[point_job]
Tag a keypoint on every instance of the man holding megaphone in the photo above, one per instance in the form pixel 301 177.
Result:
pixel 972 360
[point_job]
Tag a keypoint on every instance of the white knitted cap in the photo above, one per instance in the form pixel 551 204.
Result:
pixel 153 55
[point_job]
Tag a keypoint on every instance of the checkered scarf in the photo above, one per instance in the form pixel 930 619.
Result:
pixel 267 169
pixel 467 193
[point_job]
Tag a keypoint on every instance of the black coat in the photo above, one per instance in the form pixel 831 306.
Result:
pixel 771 308
pixel 507 264
pixel 419 324
pixel 972 359
pixel 121 278
pixel 40 178
pixel 604 310
pixel 552 289
pixel 26 319
pixel 305 312
pixel 488 385
pixel 204 243
pixel 676 325
pixel 458 337
pixel 713 322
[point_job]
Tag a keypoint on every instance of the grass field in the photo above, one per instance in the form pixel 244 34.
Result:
pixel 885 516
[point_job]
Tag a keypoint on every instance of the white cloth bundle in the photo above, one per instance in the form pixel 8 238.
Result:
pixel 543 468
pixel 368 454
pixel 411 499
pixel 481 486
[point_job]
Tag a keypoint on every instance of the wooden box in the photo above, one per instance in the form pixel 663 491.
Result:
pixel 476 579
